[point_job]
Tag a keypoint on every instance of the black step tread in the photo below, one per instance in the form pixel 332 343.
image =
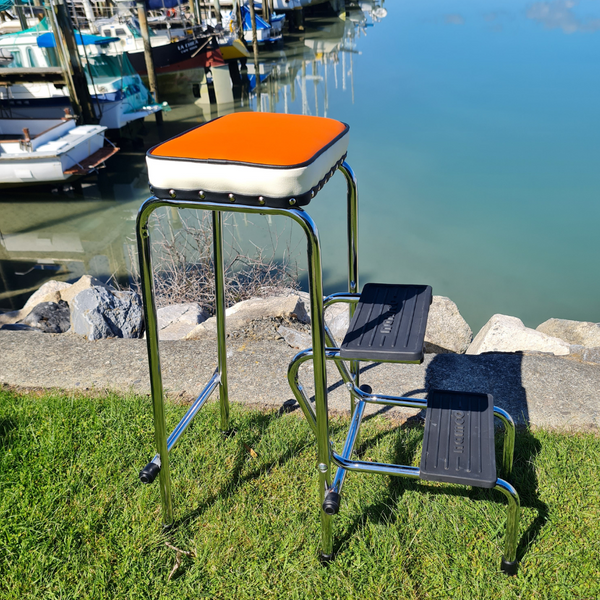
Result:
pixel 389 323
pixel 458 445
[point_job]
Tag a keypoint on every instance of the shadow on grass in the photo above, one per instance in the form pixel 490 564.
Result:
pixel 6 426
pixel 254 429
pixel 523 477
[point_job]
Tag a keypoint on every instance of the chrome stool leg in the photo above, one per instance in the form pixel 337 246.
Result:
pixel 509 558
pixel 219 269
pixel 161 461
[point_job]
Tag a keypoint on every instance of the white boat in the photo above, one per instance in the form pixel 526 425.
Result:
pixel 117 91
pixel 42 151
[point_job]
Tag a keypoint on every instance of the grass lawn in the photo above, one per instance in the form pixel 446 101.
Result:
pixel 76 523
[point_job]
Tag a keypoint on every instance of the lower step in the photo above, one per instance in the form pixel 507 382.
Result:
pixel 458 445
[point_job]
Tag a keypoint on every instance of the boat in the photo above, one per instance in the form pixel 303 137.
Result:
pixel 49 151
pixel 265 32
pixel 117 91
pixel 191 50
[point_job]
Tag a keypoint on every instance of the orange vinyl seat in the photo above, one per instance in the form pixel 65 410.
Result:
pixel 257 159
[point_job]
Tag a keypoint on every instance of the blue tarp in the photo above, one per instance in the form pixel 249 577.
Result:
pixel 159 4
pixel 247 20
pixel 46 40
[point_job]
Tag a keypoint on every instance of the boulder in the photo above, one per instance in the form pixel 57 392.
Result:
pixel 49 317
pixel 177 320
pixel 585 354
pixel 83 283
pixel 580 333
pixel 49 292
pixel 98 313
pixel 508 334
pixel 294 338
pixel 446 330
pixel 52 291
pixel 337 318
pixel 289 306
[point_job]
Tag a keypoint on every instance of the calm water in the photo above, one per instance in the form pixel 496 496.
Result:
pixel 474 136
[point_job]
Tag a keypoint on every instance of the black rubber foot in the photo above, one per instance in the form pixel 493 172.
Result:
pixel 149 473
pixel 331 504
pixel 325 559
pixel 229 433
pixel 510 568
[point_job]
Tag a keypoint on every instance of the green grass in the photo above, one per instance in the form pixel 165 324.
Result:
pixel 76 523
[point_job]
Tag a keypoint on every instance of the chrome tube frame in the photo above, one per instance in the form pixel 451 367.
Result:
pixel 190 414
pixel 219 270
pixel 340 474
pixel 318 336
pixel 512 519
pixel 352 218
pixel 345 463
pixel 508 450
pixel 156 388
pixel 319 420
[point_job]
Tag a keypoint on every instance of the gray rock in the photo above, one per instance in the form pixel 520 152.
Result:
pixel 99 313
pixel 508 334
pixel 50 287
pixel 337 318
pixel 295 339
pixel 177 320
pixel 49 292
pixel 243 313
pixel 50 317
pixel 52 291
pixel 446 330
pixel 585 354
pixel 581 333
pixel 83 283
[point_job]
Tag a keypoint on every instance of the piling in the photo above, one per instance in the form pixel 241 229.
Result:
pixel 75 75
pixel 143 19
pixel 255 52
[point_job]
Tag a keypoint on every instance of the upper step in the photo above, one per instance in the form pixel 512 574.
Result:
pixel 389 323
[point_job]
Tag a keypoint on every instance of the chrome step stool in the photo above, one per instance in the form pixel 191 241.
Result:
pixel 389 325
pixel 284 162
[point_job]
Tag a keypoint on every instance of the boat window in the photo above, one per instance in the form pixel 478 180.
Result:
pixel 33 62
pixel 120 32
pixel 107 33
pixel 51 57
pixel 17 61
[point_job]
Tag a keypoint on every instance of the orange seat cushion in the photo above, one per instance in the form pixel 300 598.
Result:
pixel 265 139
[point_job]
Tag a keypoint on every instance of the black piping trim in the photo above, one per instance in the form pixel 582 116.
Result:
pixel 243 199
pixel 219 161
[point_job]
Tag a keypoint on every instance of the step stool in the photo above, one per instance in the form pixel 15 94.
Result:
pixel 389 325
pixel 257 163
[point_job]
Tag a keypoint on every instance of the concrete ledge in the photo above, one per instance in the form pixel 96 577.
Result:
pixel 537 389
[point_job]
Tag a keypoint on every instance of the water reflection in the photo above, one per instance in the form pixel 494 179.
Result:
pixel 88 227
pixel 474 135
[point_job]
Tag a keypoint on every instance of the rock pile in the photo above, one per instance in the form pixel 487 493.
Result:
pixel 87 307
pixel 96 310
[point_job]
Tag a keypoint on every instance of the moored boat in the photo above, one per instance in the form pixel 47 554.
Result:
pixel 48 151
pixel 117 91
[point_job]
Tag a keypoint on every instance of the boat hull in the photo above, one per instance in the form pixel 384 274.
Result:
pixel 55 155
pixel 178 56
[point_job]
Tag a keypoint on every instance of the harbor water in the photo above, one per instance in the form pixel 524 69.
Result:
pixel 474 134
